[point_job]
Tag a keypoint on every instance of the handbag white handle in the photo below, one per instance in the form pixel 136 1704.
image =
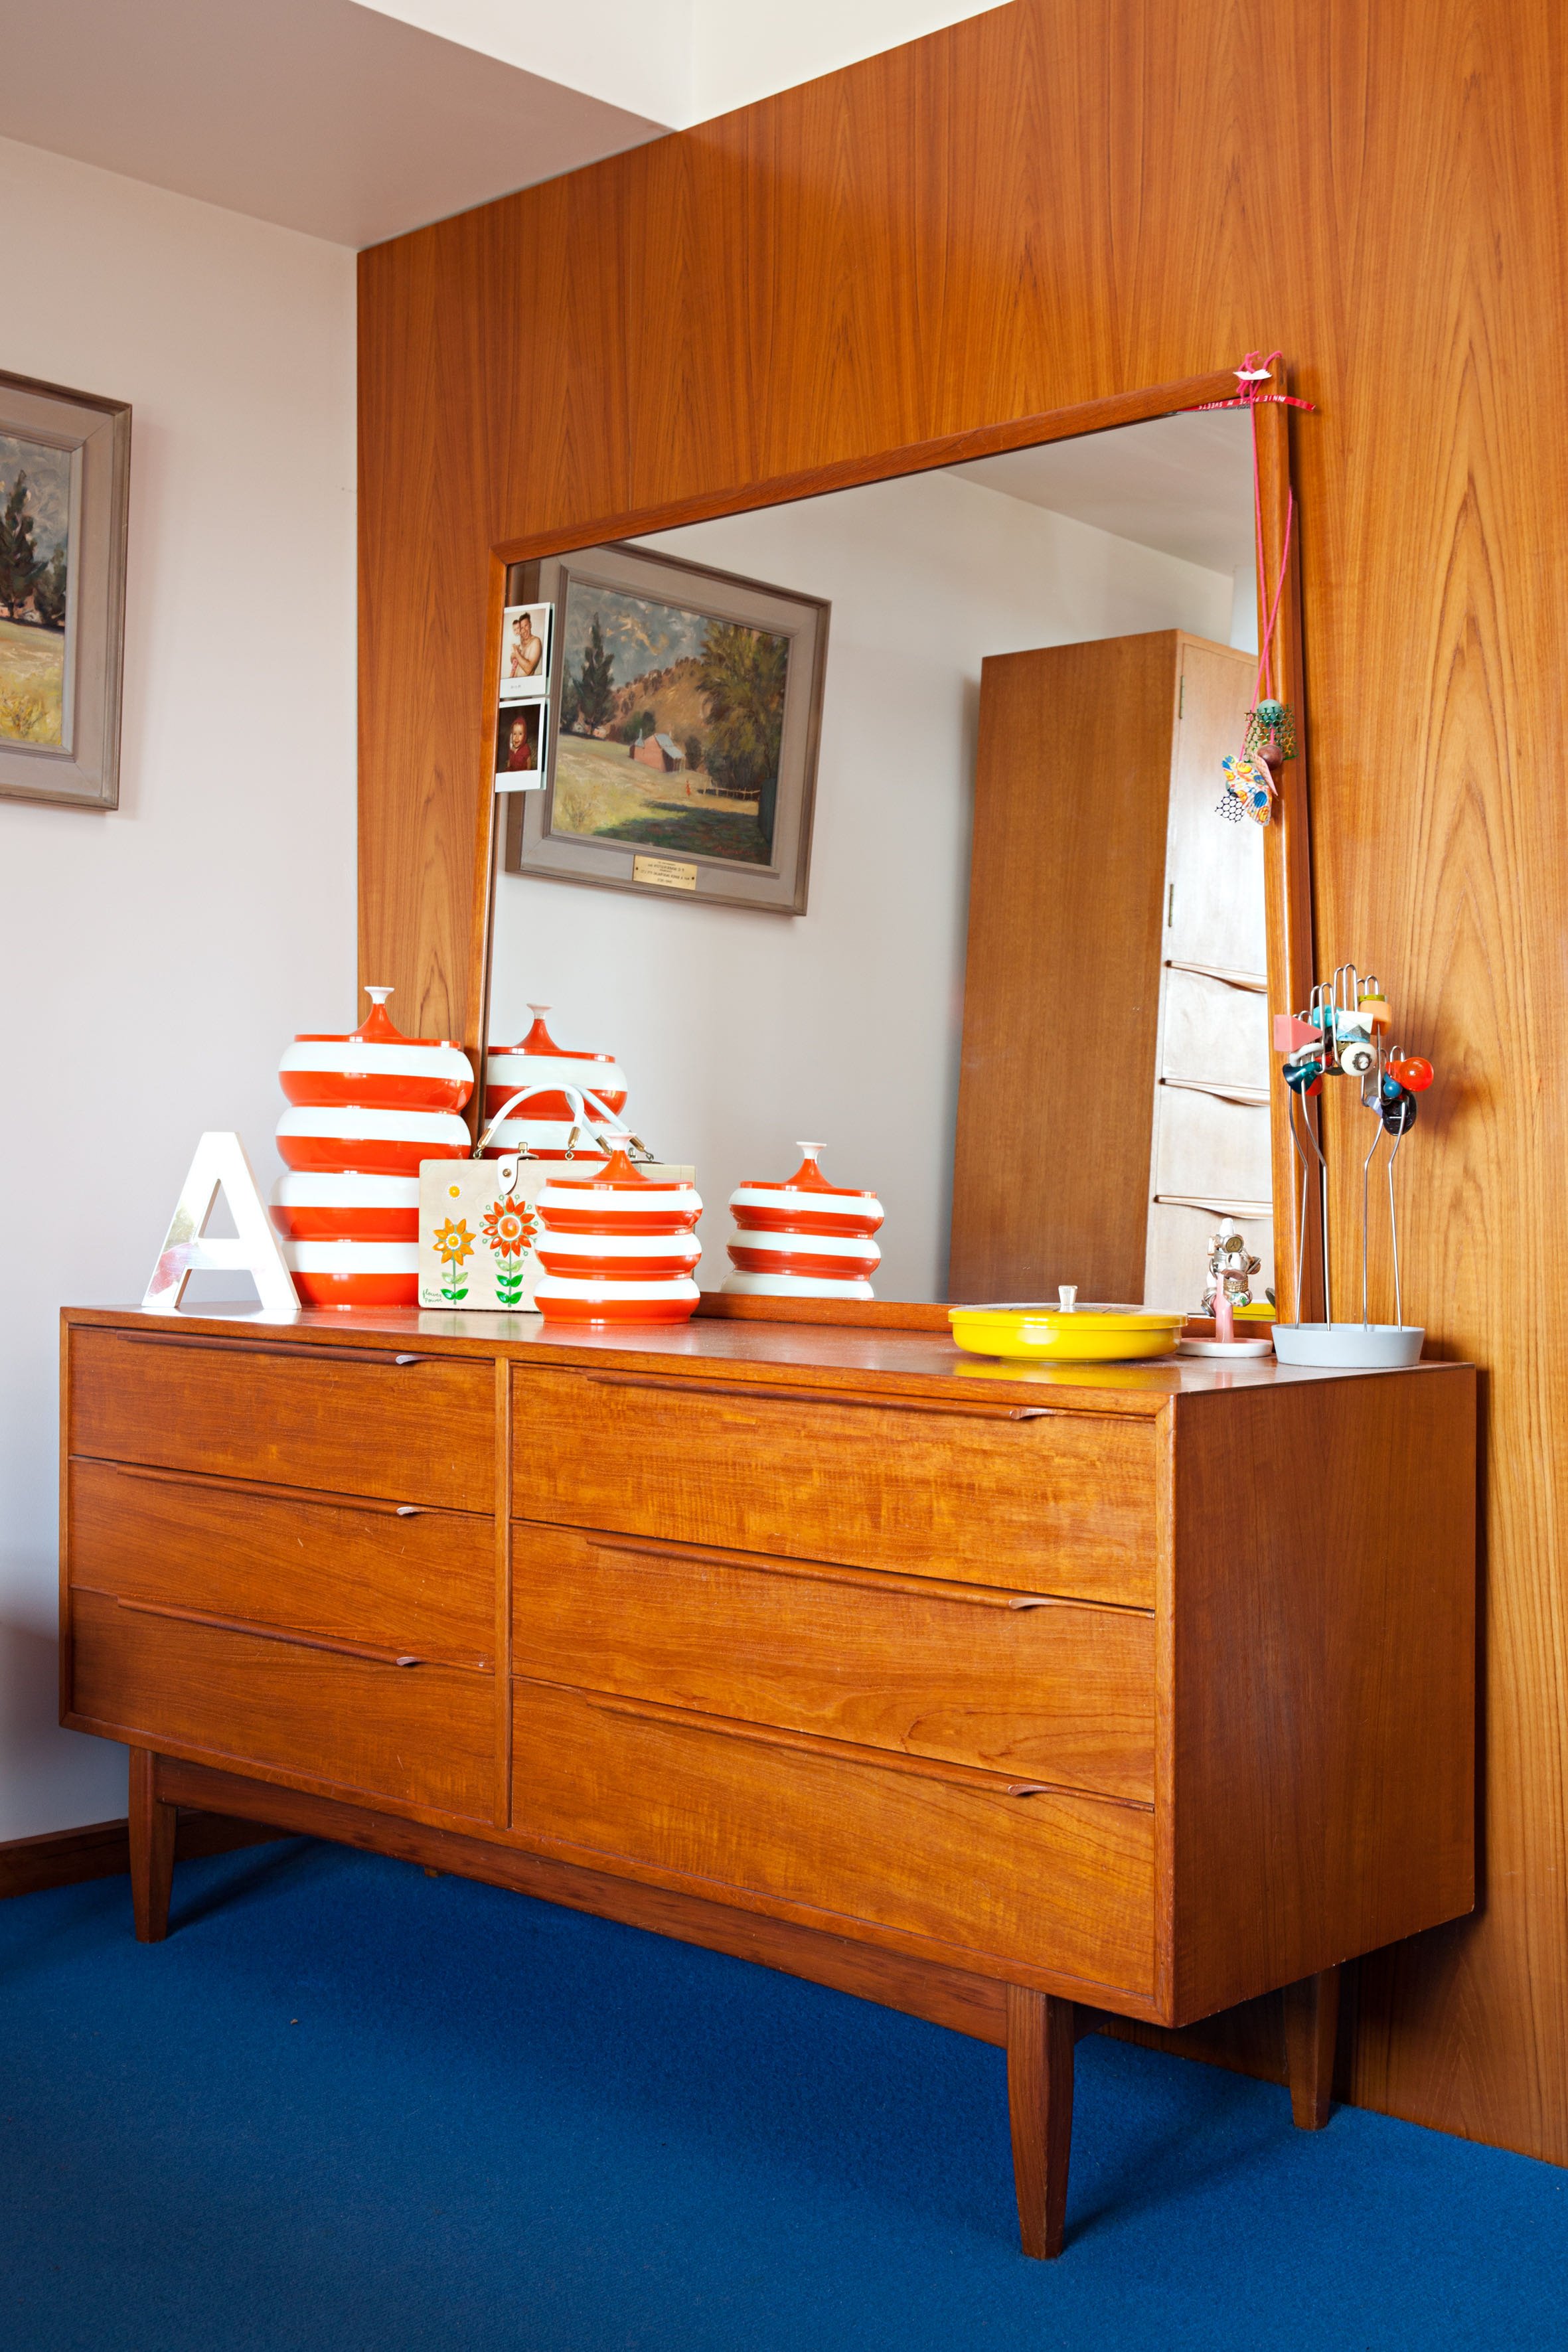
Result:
pixel 609 1134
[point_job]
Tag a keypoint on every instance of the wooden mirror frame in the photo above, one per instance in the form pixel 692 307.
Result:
pixel 1287 847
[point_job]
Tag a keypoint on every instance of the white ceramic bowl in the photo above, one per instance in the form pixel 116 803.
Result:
pixel 354 1273
pixel 330 1140
pixel 567 1300
pixel 1350 1347
pixel 309 1206
pixel 412 1075
pixel 615 1257
pixel 507 1069
pixel 377 1064
pixel 538 1061
pixel 830 1258
pixel 794 1286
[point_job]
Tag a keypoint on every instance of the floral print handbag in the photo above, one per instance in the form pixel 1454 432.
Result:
pixel 478 1217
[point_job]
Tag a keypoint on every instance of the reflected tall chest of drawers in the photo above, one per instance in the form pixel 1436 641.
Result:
pixel 1014 1700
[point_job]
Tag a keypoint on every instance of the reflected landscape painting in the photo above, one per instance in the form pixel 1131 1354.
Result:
pixel 34 564
pixel 672 727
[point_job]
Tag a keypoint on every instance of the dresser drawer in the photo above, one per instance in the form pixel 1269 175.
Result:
pixel 921 1852
pixel 1020 1496
pixel 1058 1692
pixel 419 1734
pixel 353 1420
pixel 395 1575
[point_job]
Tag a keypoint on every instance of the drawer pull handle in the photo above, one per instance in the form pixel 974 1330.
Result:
pixel 879 1760
pixel 323 1497
pixel 761 1392
pixel 300 1349
pixel 934 1589
pixel 269 1633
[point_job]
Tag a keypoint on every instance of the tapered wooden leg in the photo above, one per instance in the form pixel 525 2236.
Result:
pixel 1311 2034
pixel 1040 2035
pixel 152 1851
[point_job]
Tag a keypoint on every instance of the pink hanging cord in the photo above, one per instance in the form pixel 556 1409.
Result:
pixel 1251 376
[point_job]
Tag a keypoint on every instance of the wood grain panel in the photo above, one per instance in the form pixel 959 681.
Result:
pixel 1324 1752
pixel 1051 1169
pixel 939 1862
pixel 1043 1503
pixel 1056 1693
pixel 1050 202
pixel 414 1428
pixel 420 1735
pixel 424 1582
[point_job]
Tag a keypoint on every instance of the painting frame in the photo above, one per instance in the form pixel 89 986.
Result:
pixel 654 867
pixel 81 770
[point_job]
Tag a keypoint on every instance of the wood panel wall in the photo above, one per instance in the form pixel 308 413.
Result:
pixel 1052 203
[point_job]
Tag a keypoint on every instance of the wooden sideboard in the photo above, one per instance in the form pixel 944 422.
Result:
pixel 1003 1696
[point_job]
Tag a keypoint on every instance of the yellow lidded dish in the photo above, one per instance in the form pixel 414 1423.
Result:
pixel 1095 1333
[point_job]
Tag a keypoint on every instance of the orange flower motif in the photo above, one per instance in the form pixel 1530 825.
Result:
pixel 510 1227
pixel 454 1241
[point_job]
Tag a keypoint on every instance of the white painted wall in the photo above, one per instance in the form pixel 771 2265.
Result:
pixel 680 61
pixel 155 959
pixel 739 1032
pixel 746 49
pixel 638 54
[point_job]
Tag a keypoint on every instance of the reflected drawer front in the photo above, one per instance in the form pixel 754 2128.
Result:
pixel 1061 1693
pixel 351 1421
pixel 1063 1883
pixel 388 1574
pixel 1058 1503
pixel 418 1735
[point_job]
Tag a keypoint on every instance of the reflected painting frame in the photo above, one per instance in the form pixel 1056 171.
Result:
pixel 687 717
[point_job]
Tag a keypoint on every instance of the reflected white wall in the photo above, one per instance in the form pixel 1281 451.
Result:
pixel 740 1032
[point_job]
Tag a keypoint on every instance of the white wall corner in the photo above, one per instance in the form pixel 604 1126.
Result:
pixel 745 51
pixel 640 57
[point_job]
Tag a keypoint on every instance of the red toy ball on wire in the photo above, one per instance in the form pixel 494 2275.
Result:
pixel 1414 1072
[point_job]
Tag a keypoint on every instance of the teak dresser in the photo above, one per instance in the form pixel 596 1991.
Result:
pixel 1000 1697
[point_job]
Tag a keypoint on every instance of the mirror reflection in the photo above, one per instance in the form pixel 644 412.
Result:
pixel 890 819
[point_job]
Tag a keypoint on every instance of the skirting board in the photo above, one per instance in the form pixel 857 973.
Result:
pixel 103 1850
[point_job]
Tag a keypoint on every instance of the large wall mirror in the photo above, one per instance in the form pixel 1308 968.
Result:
pixel 1027 998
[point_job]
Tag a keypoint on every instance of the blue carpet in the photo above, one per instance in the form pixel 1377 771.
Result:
pixel 350 2108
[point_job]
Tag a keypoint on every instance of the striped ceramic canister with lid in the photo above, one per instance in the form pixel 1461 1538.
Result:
pixel 617 1247
pixel 365 1109
pixel 544 1125
pixel 803 1237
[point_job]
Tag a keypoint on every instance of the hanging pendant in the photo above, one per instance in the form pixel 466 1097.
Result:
pixel 1249 789
pixel 1272 731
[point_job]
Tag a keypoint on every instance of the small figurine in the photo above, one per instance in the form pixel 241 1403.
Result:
pixel 1231 1268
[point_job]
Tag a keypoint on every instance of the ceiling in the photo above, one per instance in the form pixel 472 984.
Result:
pixel 316 115
pixel 1182 484
pixel 359 119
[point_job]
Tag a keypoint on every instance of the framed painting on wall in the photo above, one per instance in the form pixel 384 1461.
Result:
pixel 682 759
pixel 65 473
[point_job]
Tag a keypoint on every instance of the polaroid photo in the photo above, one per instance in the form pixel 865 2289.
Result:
pixel 525 651
pixel 521 741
